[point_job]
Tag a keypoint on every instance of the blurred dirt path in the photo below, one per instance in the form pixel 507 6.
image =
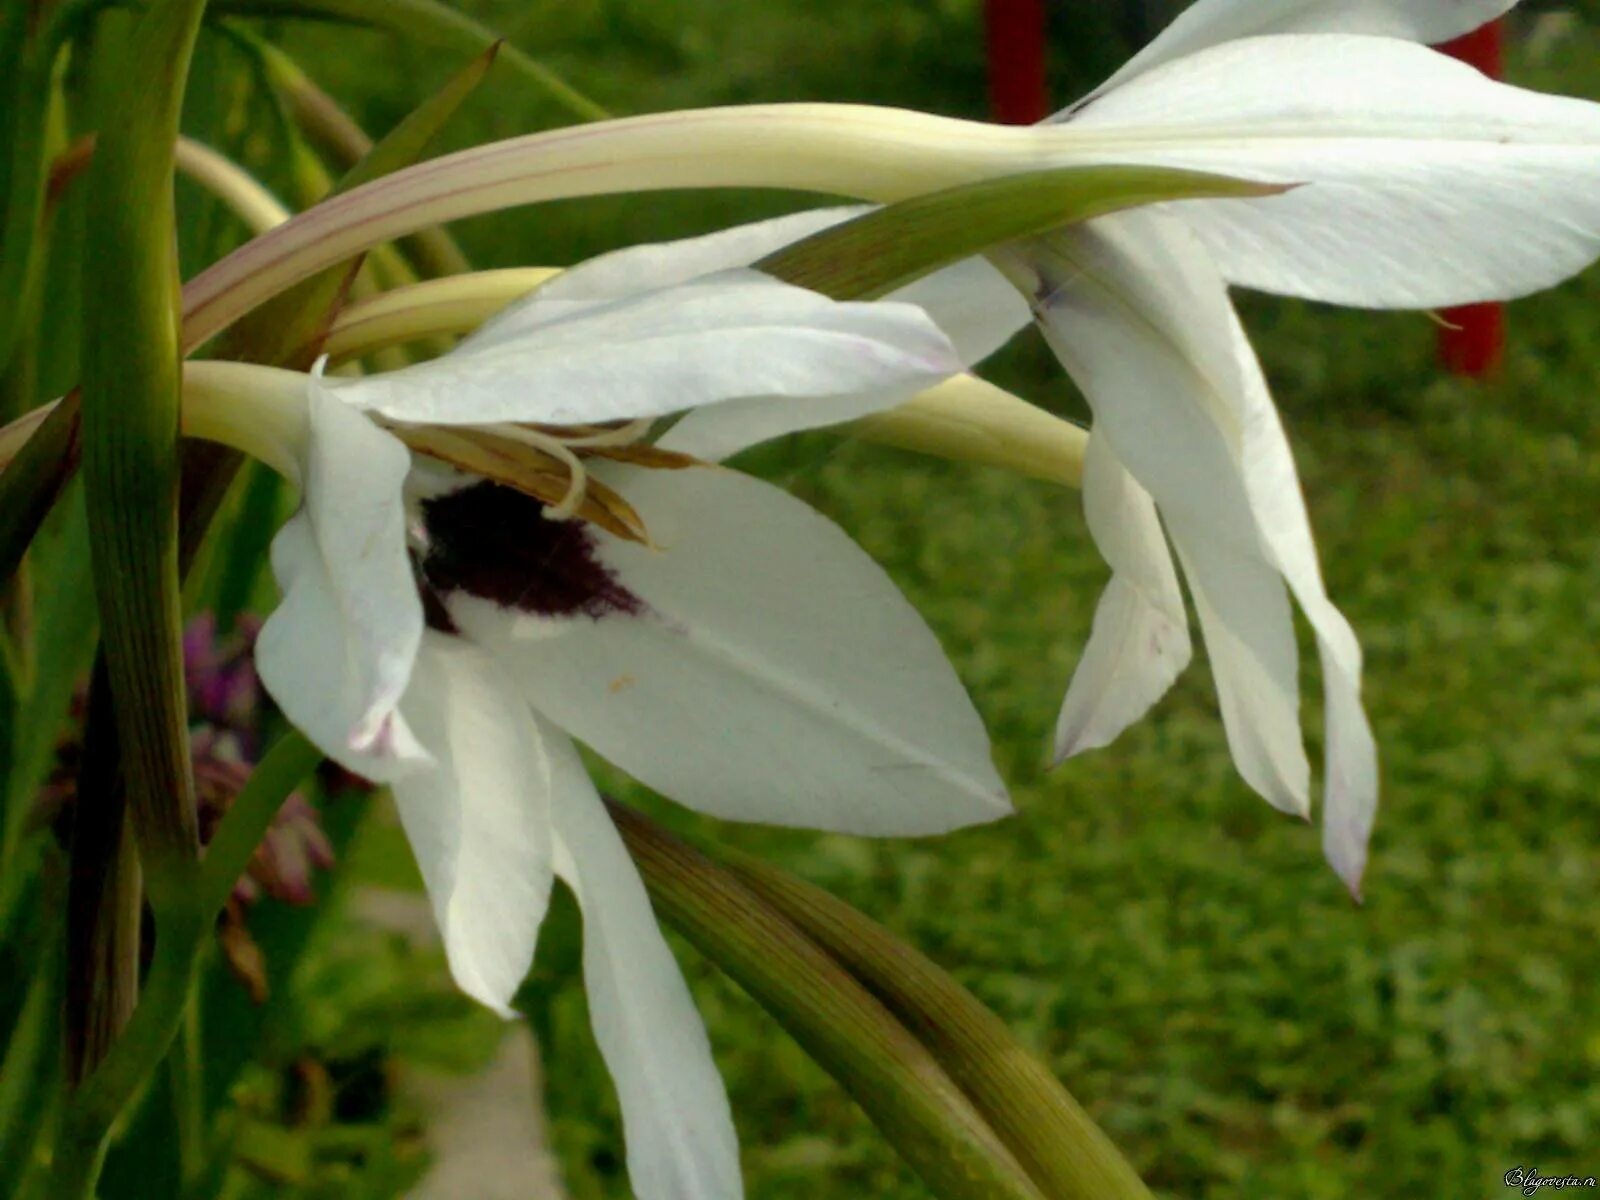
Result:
pixel 485 1132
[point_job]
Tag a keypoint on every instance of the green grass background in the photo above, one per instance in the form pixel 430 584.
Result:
pixel 1176 950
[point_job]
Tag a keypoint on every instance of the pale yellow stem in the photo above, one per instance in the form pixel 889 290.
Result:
pixel 230 183
pixel 968 419
pixel 454 305
pixel 880 154
pixel 260 410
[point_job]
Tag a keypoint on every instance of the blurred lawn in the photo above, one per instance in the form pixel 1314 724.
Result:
pixel 1175 948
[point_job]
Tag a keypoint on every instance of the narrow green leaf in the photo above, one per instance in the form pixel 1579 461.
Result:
pixel 35 477
pixel 431 24
pixel 408 141
pixel 849 1033
pixel 883 249
pixel 25 111
pixel 131 386
pixel 337 137
pixel 104 898
pixel 290 330
pixel 279 772
pixel 1060 1145
pixel 30 1072
pixel 64 644
pixel 249 538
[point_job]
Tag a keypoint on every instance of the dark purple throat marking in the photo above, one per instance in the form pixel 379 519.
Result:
pixel 496 543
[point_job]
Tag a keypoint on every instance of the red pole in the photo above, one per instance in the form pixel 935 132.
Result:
pixel 1477 341
pixel 1015 35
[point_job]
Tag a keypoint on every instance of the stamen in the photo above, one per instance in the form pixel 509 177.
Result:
pixel 578 477
pixel 623 435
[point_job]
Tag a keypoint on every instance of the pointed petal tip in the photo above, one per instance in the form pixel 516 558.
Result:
pixel 471 979
pixel 488 998
pixel 374 733
pixel 1345 848
pixel 1070 743
pixel 1351 878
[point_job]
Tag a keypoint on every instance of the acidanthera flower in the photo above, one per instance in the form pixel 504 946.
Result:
pixel 1419 183
pixel 1422 184
pixel 1414 183
pixel 489 565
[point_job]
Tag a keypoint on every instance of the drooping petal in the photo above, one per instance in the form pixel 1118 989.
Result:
pixel 625 273
pixel 1427 184
pixel 1211 22
pixel 479 820
pixel 1196 355
pixel 973 303
pixel 679 1130
pixel 1249 633
pixel 758 666
pixel 719 337
pixel 1350 791
pixel 1137 315
pixel 337 652
pixel 1140 640
pixel 970 301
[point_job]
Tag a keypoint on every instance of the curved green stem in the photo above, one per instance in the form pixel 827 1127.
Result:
pixel 81 1140
pixel 849 1033
pixel 1063 1149
pixel 289 761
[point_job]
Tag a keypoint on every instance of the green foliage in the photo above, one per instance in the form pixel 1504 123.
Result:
pixel 1176 951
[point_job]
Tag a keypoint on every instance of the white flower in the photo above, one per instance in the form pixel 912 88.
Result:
pixel 1423 184
pixel 448 635
pixel 1417 183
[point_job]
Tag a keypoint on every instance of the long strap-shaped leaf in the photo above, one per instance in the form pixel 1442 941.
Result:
pixel 430 23
pixel 850 1034
pixel 1060 1145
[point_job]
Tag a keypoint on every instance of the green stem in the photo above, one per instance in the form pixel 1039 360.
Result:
pixel 849 1033
pixel 186 1068
pixel 289 761
pixel 82 1139
pixel 1063 1149
pixel 31 1069
pixel 130 431
pixel 430 22
pixel 181 936
pixel 104 897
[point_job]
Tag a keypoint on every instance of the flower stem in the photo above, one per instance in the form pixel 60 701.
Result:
pixel 82 1138
pixel 849 1033
pixel 97 1103
pixel 1063 1149
pixel 289 761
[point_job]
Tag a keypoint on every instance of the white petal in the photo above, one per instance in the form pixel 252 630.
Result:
pixel 1197 355
pixel 1212 22
pixel 680 1135
pixel 1140 639
pixel 1140 320
pixel 1249 632
pixel 1350 793
pixel 1426 183
pixel 479 822
pixel 338 650
pixel 628 272
pixel 971 301
pixel 775 673
pixel 735 334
